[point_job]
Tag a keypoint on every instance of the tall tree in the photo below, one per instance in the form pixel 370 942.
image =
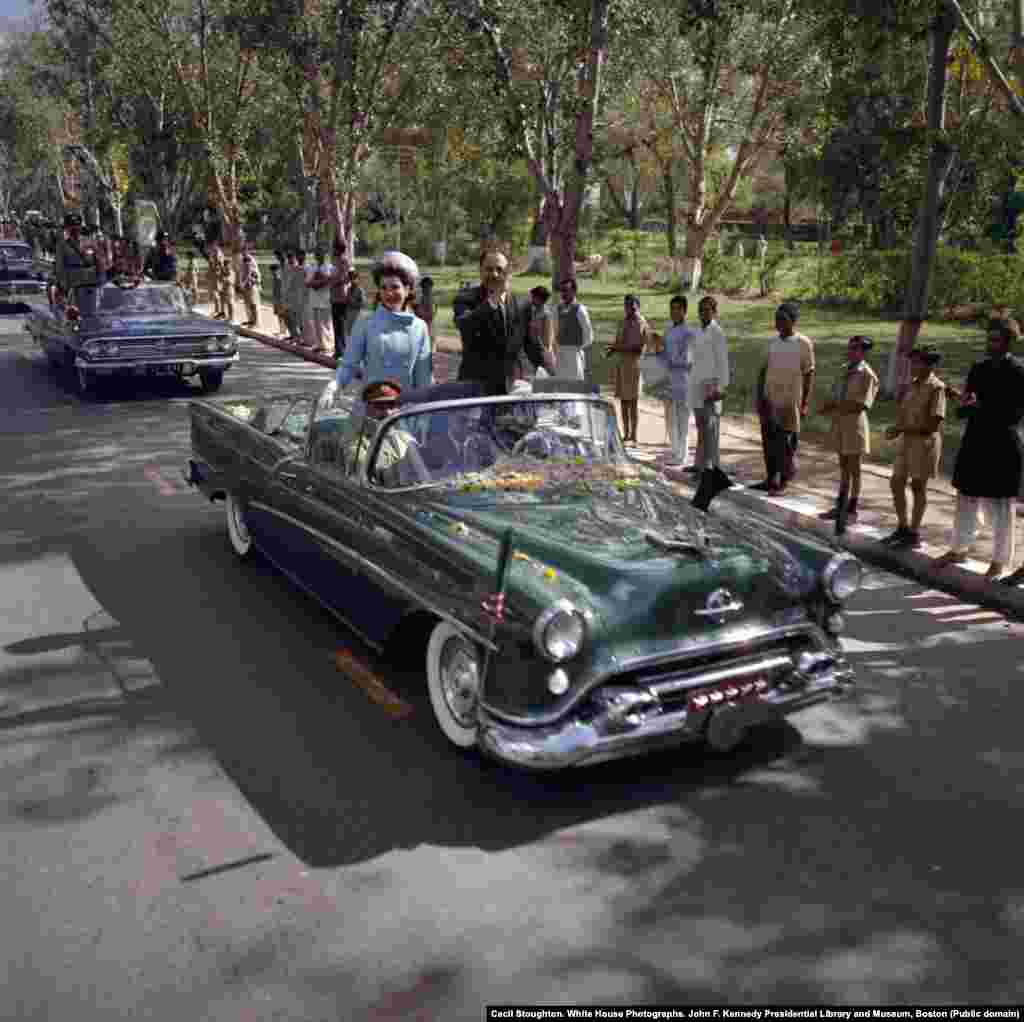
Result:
pixel 537 99
pixel 219 84
pixel 738 73
pixel 355 68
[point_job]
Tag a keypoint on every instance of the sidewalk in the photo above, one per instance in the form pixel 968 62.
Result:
pixel 813 492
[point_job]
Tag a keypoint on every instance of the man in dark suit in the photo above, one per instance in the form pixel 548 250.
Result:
pixel 494 326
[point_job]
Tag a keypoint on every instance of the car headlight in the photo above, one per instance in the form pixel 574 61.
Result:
pixel 841 577
pixel 212 344
pixel 225 344
pixel 559 631
pixel 91 349
pixel 112 349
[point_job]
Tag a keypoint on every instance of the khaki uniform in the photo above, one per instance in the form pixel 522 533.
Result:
pixel 630 341
pixel 190 282
pixel 850 432
pixel 211 285
pixel 919 455
pixel 250 288
pixel 789 361
pixel 225 278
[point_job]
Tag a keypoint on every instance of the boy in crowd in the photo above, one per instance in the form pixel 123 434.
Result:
pixel 919 419
pixel 853 394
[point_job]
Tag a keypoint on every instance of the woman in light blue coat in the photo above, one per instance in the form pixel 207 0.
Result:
pixel 391 344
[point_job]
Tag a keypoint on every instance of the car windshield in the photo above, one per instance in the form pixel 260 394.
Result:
pixel 502 446
pixel 141 300
pixel 15 252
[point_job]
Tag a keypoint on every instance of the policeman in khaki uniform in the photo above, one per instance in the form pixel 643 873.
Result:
pixel 225 283
pixel 919 419
pixel 852 396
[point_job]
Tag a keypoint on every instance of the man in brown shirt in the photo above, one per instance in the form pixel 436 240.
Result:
pixel 852 396
pixel 919 420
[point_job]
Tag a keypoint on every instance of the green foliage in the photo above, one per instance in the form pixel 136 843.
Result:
pixel 725 272
pixel 877 280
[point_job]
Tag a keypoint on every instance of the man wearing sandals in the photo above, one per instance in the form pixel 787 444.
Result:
pixel 988 464
pixel 919 420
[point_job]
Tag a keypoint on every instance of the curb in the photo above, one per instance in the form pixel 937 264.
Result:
pixel 967 585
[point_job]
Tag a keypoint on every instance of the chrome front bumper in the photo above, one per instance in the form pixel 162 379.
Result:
pixel 214 362
pixel 619 721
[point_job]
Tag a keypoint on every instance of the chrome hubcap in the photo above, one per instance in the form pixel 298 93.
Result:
pixel 460 681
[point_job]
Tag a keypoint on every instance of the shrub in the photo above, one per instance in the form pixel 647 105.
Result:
pixel 878 280
pixel 724 272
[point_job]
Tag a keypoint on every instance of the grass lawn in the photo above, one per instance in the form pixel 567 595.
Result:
pixel 749 324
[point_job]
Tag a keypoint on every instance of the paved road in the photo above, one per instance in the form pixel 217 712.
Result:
pixel 203 817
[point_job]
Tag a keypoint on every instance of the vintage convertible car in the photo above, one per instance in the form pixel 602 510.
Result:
pixel 131 328
pixel 631 619
pixel 22 279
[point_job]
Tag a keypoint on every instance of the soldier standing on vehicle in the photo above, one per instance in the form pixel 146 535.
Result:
pixel 70 255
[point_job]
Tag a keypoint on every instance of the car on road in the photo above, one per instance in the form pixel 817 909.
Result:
pixel 131 328
pixel 631 619
pixel 22 279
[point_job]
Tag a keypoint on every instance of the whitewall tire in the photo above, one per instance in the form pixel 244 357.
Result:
pixel 454 675
pixel 238 531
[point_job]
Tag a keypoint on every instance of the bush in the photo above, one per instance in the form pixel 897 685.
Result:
pixel 878 280
pixel 724 272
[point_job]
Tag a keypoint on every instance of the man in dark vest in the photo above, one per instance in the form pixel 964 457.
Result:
pixel 494 326
pixel 575 335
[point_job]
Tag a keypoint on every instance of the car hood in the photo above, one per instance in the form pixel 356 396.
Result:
pixel 630 552
pixel 150 325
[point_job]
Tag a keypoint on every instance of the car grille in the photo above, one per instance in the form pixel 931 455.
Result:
pixel 183 348
pixel 769 660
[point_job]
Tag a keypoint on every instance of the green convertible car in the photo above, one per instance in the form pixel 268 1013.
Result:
pixel 630 620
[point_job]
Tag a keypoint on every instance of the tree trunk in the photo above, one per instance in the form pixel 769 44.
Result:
pixel 561 211
pixel 538 259
pixel 668 183
pixel 787 219
pixel 634 196
pixel 916 303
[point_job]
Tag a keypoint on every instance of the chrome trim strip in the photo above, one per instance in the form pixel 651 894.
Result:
pixel 299 584
pixel 578 742
pixel 220 362
pixel 712 677
pixel 375 569
pixel 680 654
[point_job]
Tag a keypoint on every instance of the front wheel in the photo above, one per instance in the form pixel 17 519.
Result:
pixel 211 379
pixel 454 676
pixel 238 531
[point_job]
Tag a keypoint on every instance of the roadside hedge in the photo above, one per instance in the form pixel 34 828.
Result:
pixel 877 280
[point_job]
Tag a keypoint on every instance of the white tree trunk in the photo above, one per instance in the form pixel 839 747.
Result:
pixel 690 277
